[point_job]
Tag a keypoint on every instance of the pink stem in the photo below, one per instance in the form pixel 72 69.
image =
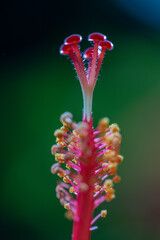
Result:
pixel 100 60
pixel 92 74
pixel 84 212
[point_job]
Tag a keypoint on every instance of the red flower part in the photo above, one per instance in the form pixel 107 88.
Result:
pixel 96 37
pixel 66 49
pixel 87 158
pixel 103 46
pixel 88 53
pixel 73 39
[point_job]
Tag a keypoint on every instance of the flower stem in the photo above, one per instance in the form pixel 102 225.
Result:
pixel 85 199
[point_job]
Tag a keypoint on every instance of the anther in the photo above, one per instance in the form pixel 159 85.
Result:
pixel 66 118
pixel 67 206
pixel 97 188
pixel 55 168
pixel 59 157
pixel 112 168
pixel 54 149
pixel 110 194
pixel 103 125
pixel 103 213
pixel 108 184
pixel 69 215
pixel 114 128
pixel 58 133
pixel 72 190
pixel 116 179
pixel 119 159
pixel 65 180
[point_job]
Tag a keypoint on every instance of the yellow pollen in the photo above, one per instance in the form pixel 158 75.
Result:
pixel 61 142
pixel 67 206
pixel 61 173
pixel 119 159
pixel 58 133
pixel 110 194
pixel 59 157
pixel 64 129
pixel 74 160
pixel 75 133
pixel 103 125
pixel 69 215
pixel 72 190
pixel 106 166
pixel 114 128
pixel 116 179
pixel 108 184
pixel 65 180
pixel 103 213
pixel 68 166
pixel 112 168
pixel 97 188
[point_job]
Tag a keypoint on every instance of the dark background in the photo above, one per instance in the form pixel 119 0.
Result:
pixel 37 85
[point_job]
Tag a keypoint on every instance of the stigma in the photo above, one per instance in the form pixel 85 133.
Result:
pixel 94 58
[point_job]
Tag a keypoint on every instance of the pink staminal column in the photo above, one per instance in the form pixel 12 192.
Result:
pixel 85 199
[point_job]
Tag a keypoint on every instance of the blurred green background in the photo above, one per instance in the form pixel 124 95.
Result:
pixel 37 85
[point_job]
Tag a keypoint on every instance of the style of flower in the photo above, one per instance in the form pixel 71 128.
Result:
pixel 87 158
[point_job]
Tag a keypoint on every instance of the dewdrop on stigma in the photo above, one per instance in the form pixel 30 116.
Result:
pixel 87 158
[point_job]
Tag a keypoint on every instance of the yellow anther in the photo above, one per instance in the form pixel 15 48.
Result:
pixel 75 182
pixel 97 188
pixel 64 129
pixel 74 160
pixel 107 184
pixel 58 133
pixel 68 166
pixel 114 128
pixel 67 206
pixel 60 142
pixel 111 156
pixel 119 159
pixel 116 179
pixel 65 180
pixel 103 125
pixel 72 190
pixel 69 215
pixel 75 133
pixel 105 166
pixel 110 194
pixel 103 213
pixel 59 157
pixel 61 174
pixel 112 168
